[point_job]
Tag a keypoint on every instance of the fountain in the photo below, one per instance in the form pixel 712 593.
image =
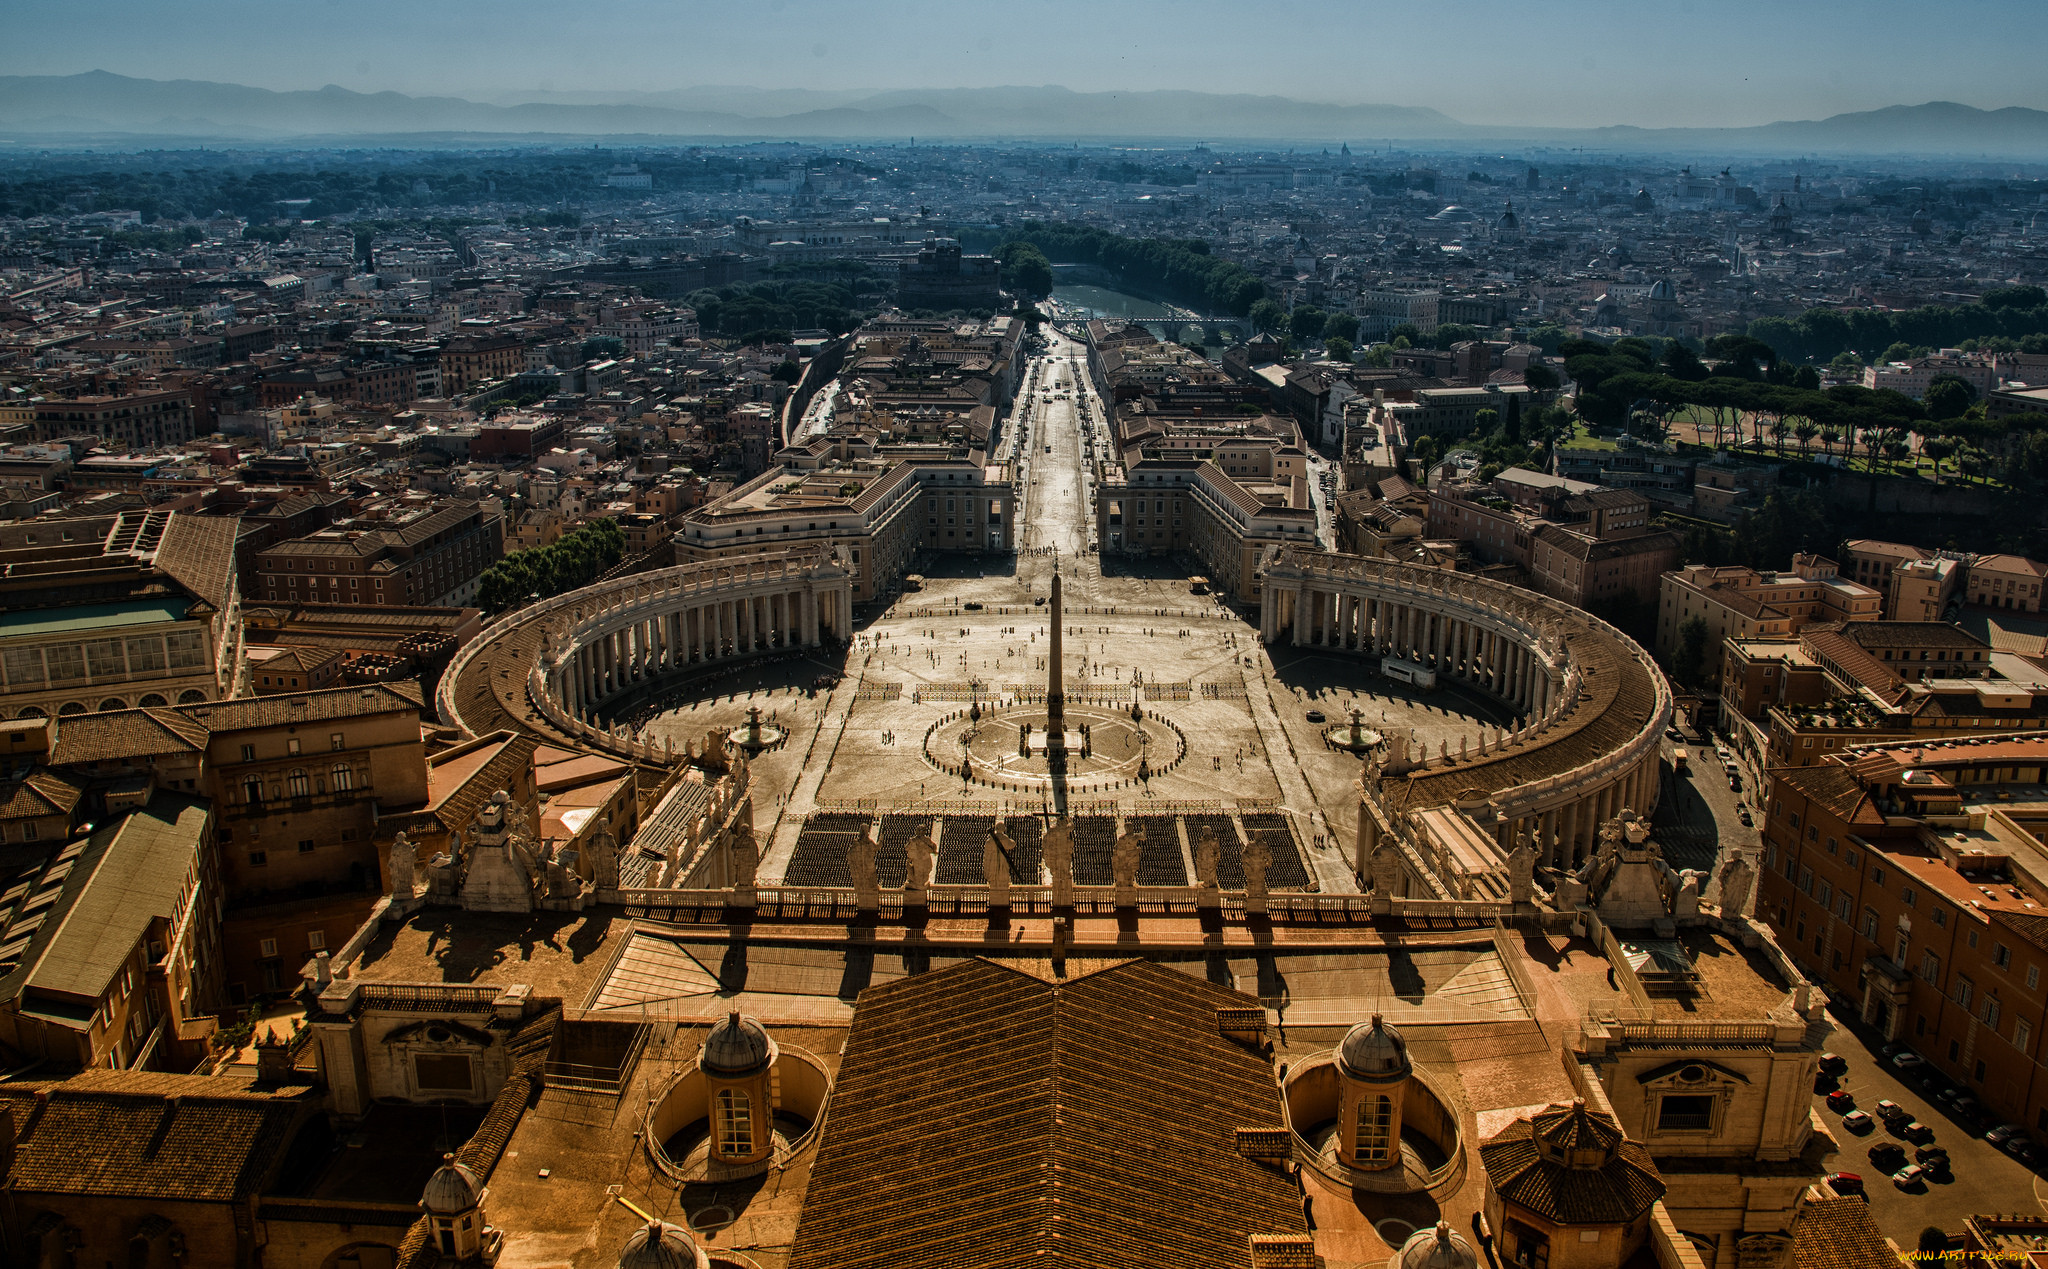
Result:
pixel 1354 737
pixel 754 735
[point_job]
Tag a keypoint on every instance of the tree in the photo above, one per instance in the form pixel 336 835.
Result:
pixel 1026 269
pixel 1408 331
pixel 1806 377
pixel 1689 666
pixel 786 372
pixel 1380 356
pixel 1681 362
pixel 1948 397
pixel 601 348
pixel 1932 1238
pixel 1846 362
pixel 1937 448
pixel 1338 346
pixel 1306 322
pixel 1511 427
pixel 1484 421
pixel 1340 326
pixel 1540 378
pixel 1268 317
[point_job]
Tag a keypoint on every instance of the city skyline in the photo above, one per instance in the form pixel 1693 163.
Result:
pixel 1691 66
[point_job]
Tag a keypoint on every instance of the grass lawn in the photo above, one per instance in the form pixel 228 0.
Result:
pixel 1582 439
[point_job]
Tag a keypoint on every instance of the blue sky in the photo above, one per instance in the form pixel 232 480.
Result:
pixel 1559 63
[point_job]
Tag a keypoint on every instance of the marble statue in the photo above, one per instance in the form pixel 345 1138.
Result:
pixel 995 866
pixel 604 859
pixel 1737 880
pixel 746 855
pixel 1522 872
pixel 1208 851
pixel 1123 864
pixel 1386 869
pixel 563 881
pixel 402 861
pixel 1258 857
pixel 860 862
pixel 923 855
pixel 1059 861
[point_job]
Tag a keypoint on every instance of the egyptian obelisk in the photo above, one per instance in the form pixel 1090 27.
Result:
pixel 1055 689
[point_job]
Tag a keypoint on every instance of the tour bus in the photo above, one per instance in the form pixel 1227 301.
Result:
pixel 1678 760
pixel 1408 672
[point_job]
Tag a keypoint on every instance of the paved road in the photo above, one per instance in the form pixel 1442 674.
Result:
pixel 1986 1178
pixel 1057 511
pixel 1697 814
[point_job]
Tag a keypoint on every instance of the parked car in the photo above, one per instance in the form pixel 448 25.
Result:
pixel 1834 1063
pixel 1924 1153
pixel 1910 1176
pixel 1966 1108
pixel 1858 1122
pixel 2022 1149
pixel 1917 1131
pixel 1845 1182
pixel 1887 1156
pixel 1748 821
pixel 1841 1101
pixel 1889 1110
pixel 1908 1060
pixel 1895 1047
pixel 1997 1136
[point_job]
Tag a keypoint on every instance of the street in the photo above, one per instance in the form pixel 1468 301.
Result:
pixel 1986 1179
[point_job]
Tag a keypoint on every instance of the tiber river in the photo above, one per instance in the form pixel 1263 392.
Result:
pixel 1103 302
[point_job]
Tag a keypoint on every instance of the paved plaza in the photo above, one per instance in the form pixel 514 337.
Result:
pixel 963 658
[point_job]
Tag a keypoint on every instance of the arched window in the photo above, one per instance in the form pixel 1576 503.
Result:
pixel 735 1123
pixel 298 784
pixel 70 709
pixel 344 778
pixel 33 711
pixel 112 703
pixel 1375 1127
pixel 152 700
pixel 191 696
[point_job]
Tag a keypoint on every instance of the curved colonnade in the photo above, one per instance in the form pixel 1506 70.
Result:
pixel 1592 703
pixel 578 651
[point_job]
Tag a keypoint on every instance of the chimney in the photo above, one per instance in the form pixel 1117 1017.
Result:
pixel 323 971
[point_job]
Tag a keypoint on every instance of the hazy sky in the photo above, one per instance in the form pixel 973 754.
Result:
pixel 1560 63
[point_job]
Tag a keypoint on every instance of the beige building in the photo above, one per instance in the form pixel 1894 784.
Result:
pixel 1743 603
pixel 883 514
pixel 1917 585
pixel 1166 504
pixel 303 788
pixel 2006 581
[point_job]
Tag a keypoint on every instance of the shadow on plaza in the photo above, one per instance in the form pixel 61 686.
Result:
pixel 1326 680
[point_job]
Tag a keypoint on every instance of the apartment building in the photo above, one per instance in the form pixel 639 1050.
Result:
pixel 403 554
pixel 136 420
pixel 883 513
pixel 1911 878
pixel 1745 603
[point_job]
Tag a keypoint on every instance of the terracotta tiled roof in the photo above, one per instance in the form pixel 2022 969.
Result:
pixel 1839 1233
pixel 1834 787
pixel 129 733
pixel 1524 1166
pixel 88 1139
pixel 986 1117
pixel 2031 926
pixel 199 551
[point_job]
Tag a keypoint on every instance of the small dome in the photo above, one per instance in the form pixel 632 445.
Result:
pixel 737 1046
pixel 1508 219
pixel 658 1245
pixel 1374 1050
pixel 453 1188
pixel 1437 1248
pixel 1661 290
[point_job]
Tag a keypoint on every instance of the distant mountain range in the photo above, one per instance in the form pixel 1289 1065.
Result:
pixel 102 106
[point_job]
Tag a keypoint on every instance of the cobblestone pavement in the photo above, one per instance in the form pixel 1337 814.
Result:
pixel 1135 632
